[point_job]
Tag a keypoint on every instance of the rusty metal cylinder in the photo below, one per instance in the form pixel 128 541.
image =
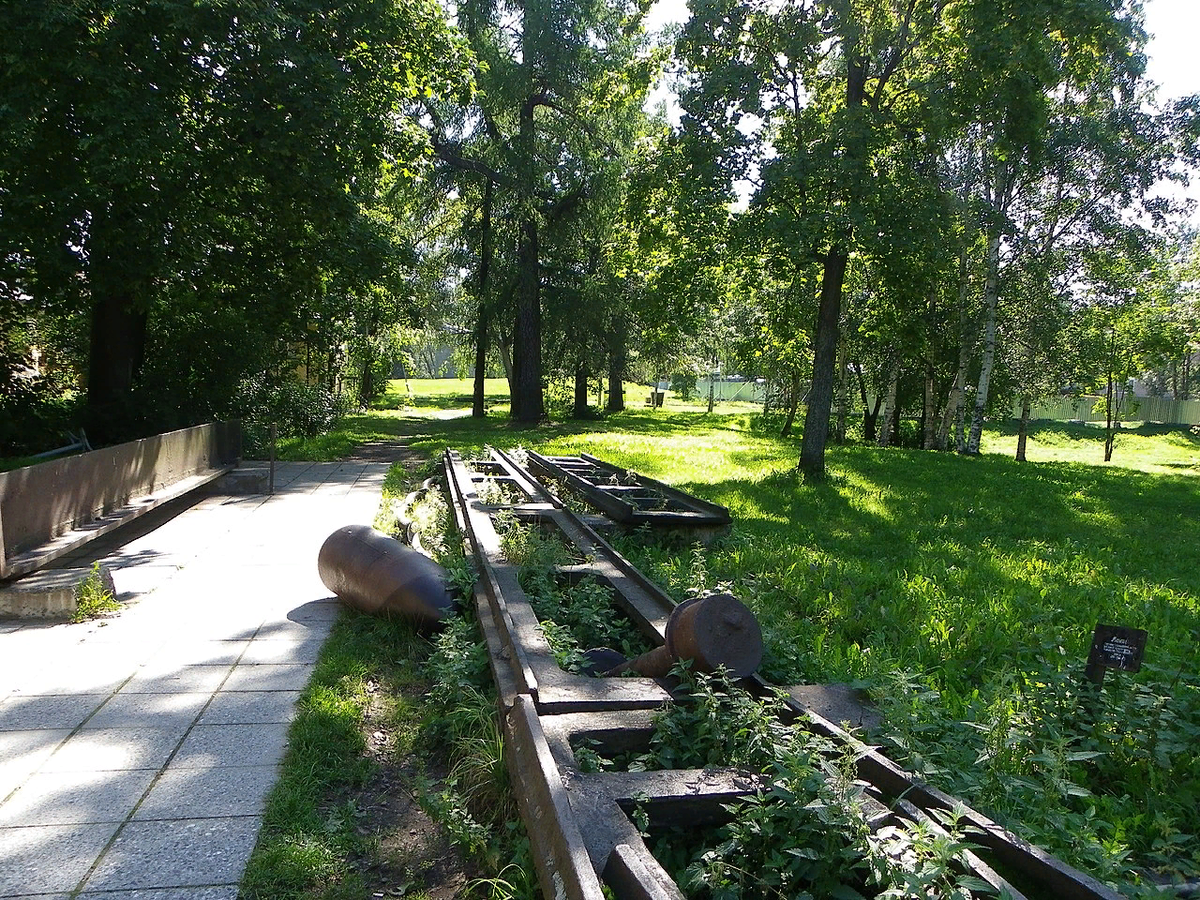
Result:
pixel 379 575
pixel 713 630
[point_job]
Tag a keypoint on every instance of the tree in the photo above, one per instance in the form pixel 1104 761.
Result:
pixel 561 91
pixel 173 162
pixel 834 84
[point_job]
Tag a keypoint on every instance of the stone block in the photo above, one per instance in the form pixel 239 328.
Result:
pixel 49 594
pixel 243 481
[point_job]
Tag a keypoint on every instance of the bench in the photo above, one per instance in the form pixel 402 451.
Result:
pixel 49 509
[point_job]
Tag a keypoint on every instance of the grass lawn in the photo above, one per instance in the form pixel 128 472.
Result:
pixel 961 592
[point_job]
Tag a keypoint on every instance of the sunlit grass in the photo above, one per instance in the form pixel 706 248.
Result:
pixel 958 589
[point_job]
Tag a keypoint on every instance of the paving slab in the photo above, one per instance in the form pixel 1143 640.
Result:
pixel 194 652
pixel 271 651
pixel 23 752
pixel 178 853
pixel 65 798
pixel 251 708
pixel 146 710
pixel 49 858
pixel 111 749
pixel 232 745
pixel 266 677
pixel 136 751
pixel 218 791
pixel 28 713
pixel 226 892
pixel 166 678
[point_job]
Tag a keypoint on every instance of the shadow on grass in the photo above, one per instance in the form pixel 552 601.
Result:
pixel 958 565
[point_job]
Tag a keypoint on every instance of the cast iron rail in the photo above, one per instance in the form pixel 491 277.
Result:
pixel 578 823
pixel 627 497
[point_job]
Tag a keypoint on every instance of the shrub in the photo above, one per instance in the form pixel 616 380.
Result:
pixel 296 408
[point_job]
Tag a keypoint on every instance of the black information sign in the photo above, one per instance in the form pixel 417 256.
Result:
pixel 1115 647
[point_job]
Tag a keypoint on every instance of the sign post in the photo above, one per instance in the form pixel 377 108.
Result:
pixel 1114 647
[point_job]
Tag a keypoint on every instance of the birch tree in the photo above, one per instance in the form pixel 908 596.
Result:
pixel 1024 63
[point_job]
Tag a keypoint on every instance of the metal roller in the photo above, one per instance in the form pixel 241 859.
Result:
pixel 379 575
pixel 713 630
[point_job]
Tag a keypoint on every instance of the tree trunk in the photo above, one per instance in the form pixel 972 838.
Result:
pixel 478 401
pixel 843 395
pixel 1109 400
pixel 929 419
pixel 820 397
pixel 478 404
pixel 581 409
pixel 991 295
pixel 527 402
pixel 960 428
pixel 616 369
pixel 1109 432
pixel 889 409
pixel 506 360
pixel 1023 428
pixel 870 416
pixel 116 348
pixel 929 400
pixel 957 397
pixel 712 385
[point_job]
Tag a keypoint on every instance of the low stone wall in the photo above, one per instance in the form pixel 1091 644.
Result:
pixel 39 503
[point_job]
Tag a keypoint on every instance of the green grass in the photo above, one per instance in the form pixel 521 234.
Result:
pixel 309 840
pixel 93 599
pixel 961 591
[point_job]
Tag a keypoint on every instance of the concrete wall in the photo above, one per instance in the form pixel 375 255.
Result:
pixel 40 502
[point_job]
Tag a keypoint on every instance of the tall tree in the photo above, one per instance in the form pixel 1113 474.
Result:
pixel 560 83
pixel 1026 73
pixel 197 155
pixel 834 83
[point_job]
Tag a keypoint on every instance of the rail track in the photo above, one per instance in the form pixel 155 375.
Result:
pixel 579 823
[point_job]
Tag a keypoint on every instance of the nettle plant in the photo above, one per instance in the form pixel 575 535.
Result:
pixel 574 617
pixel 1107 778
pixel 806 833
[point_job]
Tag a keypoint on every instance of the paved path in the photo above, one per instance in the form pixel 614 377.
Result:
pixel 136 752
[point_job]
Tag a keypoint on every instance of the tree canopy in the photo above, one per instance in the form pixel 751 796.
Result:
pixel 909 206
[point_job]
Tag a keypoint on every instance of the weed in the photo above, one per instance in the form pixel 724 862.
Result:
pixel 93 599
pixel 712 722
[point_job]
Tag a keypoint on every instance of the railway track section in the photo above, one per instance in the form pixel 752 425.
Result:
pixel 579 823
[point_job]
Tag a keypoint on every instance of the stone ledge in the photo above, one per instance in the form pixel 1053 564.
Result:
pixel 242 481
pixel 49 594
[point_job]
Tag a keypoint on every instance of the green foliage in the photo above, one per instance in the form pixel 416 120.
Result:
pixel 982 577
pixel 806 833
pixel 308 840
pixel 217 202
pixel 711 722
pixel 296 409
pixel 684 384
pixel 473 801
pixel 574 617
pixel 92 598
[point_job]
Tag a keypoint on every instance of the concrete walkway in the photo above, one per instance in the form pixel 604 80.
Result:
pixel 136 752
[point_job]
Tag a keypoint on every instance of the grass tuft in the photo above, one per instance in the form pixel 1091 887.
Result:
pixel 93 599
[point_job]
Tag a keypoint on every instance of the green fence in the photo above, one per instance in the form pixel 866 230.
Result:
pixel 1136 409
